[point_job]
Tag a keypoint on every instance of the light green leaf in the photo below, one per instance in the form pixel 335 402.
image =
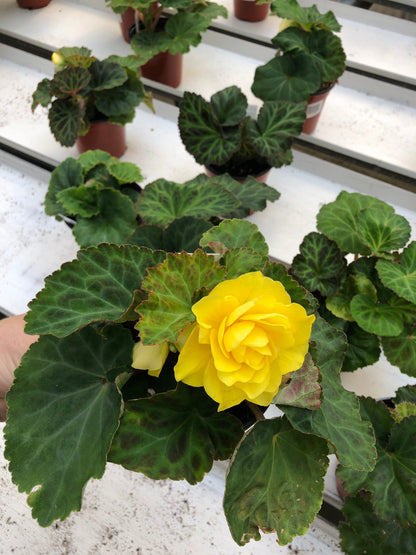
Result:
pixel 63 413
pixel 275 482
pixel 233 234
pixel 382 231
pixel 377 318
pixel 242 260
pixel 400 351
pixel 67 174
pixel 172 287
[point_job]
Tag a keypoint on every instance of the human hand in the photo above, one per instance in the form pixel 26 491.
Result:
pixel 14 342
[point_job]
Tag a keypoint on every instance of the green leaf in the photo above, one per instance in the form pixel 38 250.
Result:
pixel 252 194
pixel 184 29
pixel 242 260
pixel 363 348
pixel 338 220
pixel 393 480
pixel 311 18
pixel 80 200
pixel 320 266
pixel 376 318
pixel 400 350
pixel 67 174
pixel 406 393
pixel 339 303
pixel 125 172
pixel 234 233
pixel 172 286
pixel 404 410
pixel 70 81
pixel 229 106
pixel 163 201
pixel 365 532
pixel 147 44
pixel 303 389
pixel 323 48
pixel 92 158
pixel 98 285
pixel 65 121
pixel 184 234
pixel 174 435
pixel 202 136
pixel 42 94
pixel 338 420
pixel 150 236
pixel 277 125
pixel 401 278
pixel 382 231
pixel 63 413
pixel 275 482
pixel 114 221
pixel 106 75
pixel 286 78
pixel 117 103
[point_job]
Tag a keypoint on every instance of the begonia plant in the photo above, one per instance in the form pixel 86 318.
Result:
pixel 100 197
pixel 148 359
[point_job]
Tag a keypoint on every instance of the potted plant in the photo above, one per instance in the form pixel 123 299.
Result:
pixel 308 62
pixel 100 198
pixel 379 506
pixel 89 101
pixel 221 135
pixel 161 38
pixel 251 10
pixel 149 354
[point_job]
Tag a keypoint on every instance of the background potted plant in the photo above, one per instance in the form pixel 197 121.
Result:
pixel 152 367
pixel 89 101
pixel 101 198
pixel 251 10
pixel 161 38
pixel 222 136
pixel 308 62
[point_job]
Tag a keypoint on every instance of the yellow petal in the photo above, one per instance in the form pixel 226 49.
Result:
pixel 150 357
pixel 192 359
pixel 236 334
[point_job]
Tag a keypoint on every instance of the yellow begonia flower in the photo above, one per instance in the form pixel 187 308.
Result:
pixel 58 59
pixel 248 335
pixel 150 357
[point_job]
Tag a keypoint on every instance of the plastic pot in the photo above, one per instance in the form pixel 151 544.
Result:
pixel 110 137
pixel 128 18
pixel 313 111
pixel 249 10
pixel 32 4
pixel 261 177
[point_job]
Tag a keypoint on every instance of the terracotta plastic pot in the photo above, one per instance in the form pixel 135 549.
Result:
pixel 313 111
pixel 260 177
pixel 110 137
pixel 32 4
pixel 128 18
pixel 164 67
pixel 249 10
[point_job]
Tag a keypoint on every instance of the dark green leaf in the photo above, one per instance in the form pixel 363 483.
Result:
pixel 184 234
pixel 401 278
pixel 382 231
pixel 63 413
pixel 365 532
pixel 106 75
pixel 174 435
pixel 114 221
pixel 98 285
pixel 229 106
pixel 406 393
pixel 320 266
pixel 67 174
pixel 311 18
pixel 401 350
pixel 117 102
pixel 70 81
pixel 275 482
pixel 286 78
pixel 42 94
pixel 363 348
pixel 163 201
pixel 202 136
pixel 338 419
pixel 65 121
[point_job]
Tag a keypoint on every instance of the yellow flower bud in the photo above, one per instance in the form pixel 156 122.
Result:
pixel 247 336
pixel 58 59
pixel 150 357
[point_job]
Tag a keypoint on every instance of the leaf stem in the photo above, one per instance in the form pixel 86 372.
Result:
pixel 256 411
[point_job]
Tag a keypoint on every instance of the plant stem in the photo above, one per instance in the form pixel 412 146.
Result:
pixel 256 411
